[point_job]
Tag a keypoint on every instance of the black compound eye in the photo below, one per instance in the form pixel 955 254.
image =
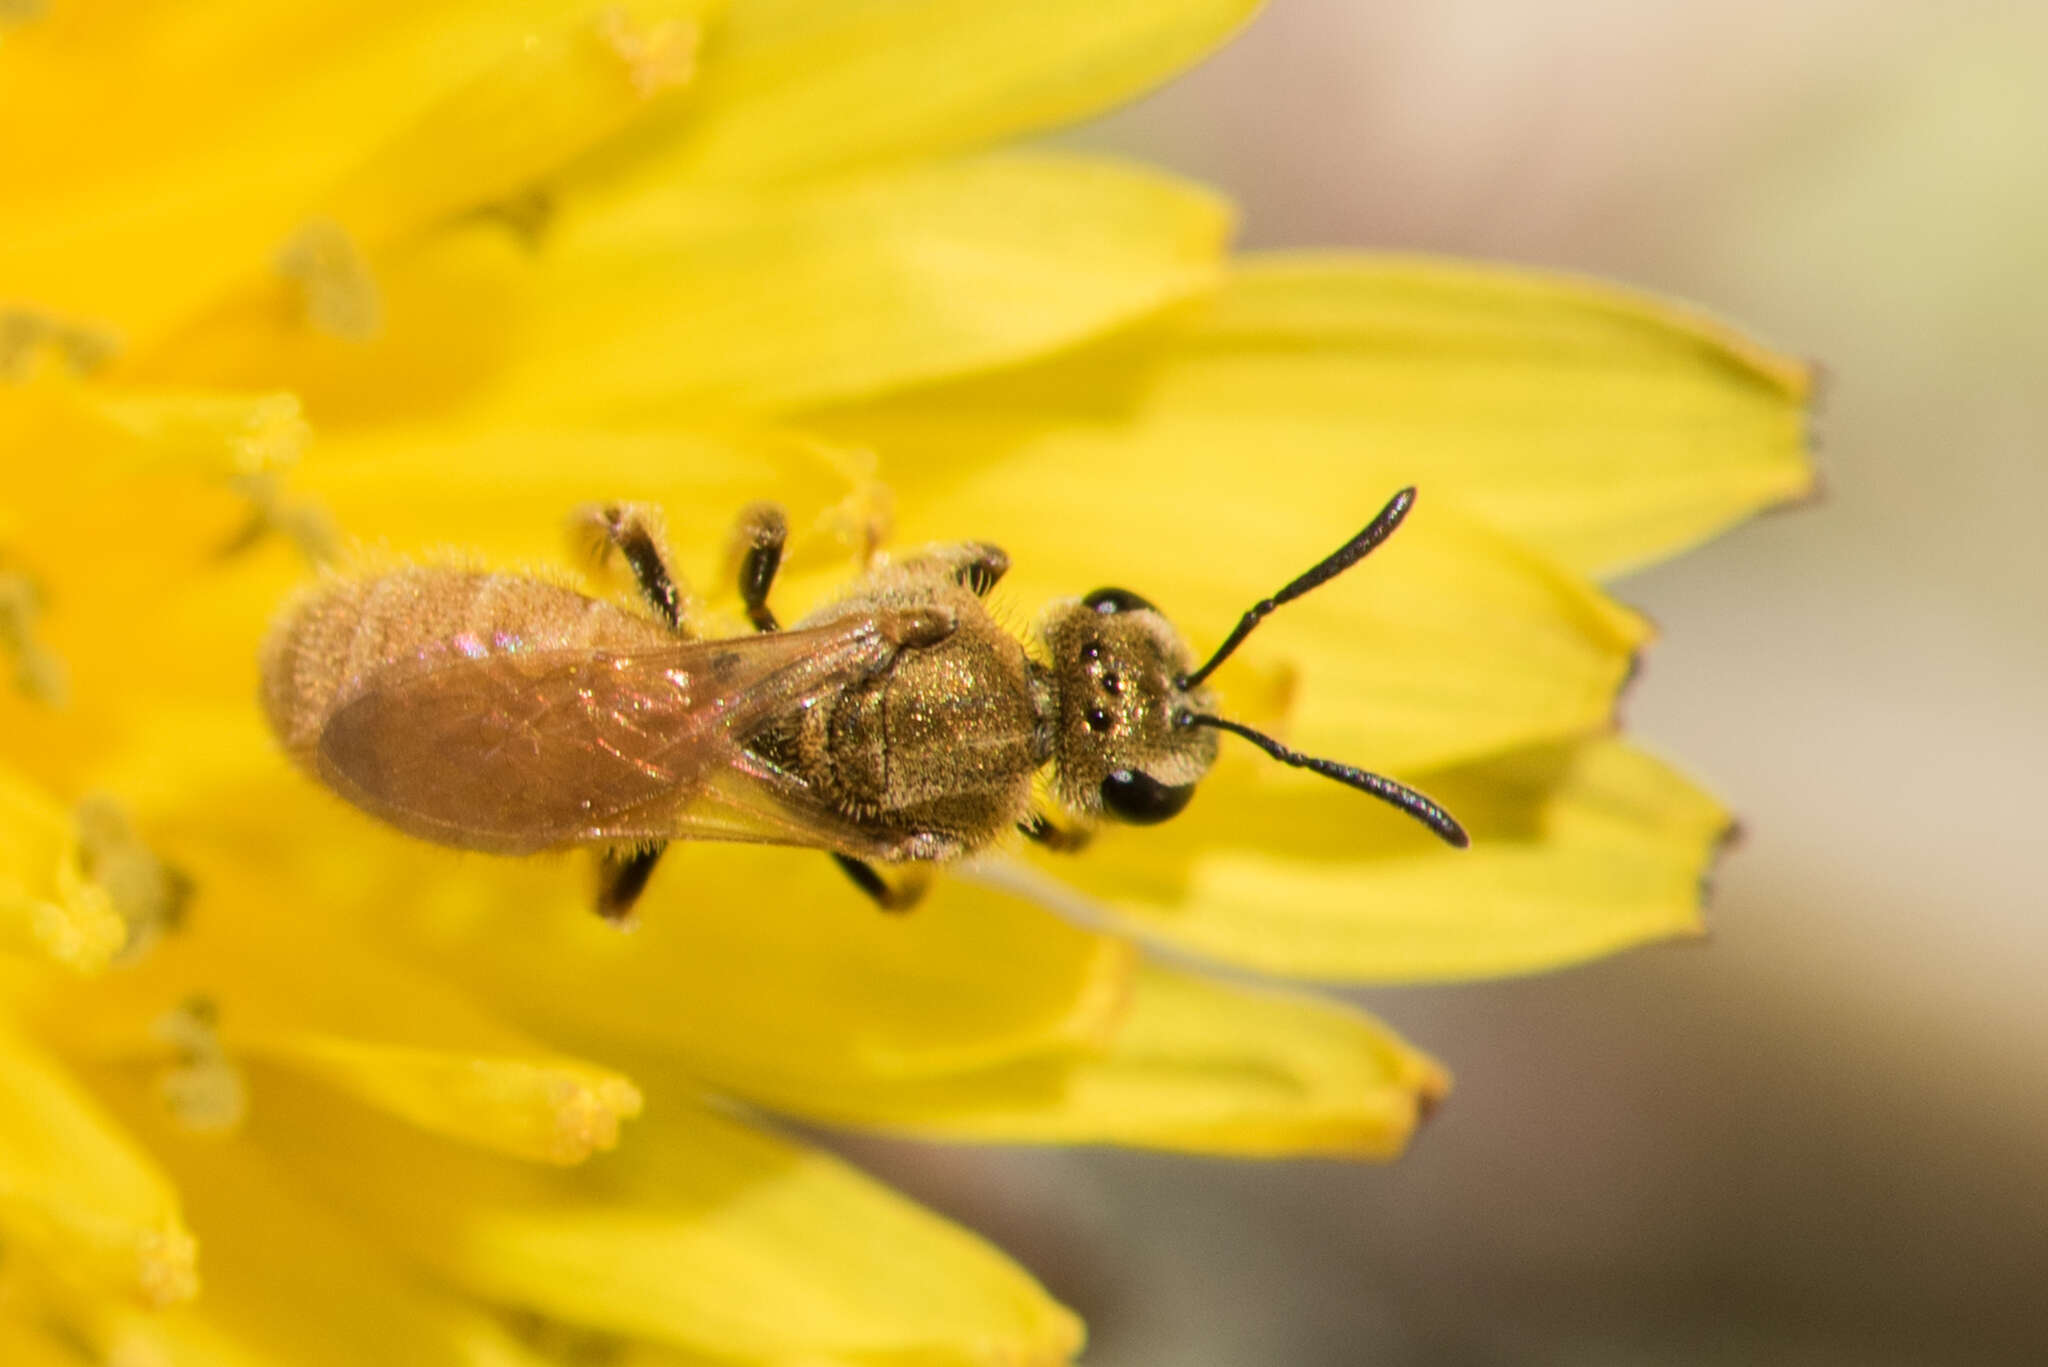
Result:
pixel 1107 601
pixel 1142 799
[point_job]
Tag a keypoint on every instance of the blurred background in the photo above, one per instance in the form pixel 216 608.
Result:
pixel 1821 1136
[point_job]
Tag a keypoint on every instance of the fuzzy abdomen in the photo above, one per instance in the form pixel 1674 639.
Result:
pixel 338 641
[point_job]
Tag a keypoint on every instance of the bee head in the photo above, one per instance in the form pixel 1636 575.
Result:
pixel 1135 729
pixel 1124 744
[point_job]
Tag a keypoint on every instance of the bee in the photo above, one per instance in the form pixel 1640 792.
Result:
pixel 896 729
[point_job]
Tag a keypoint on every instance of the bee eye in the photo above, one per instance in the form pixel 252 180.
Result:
pixel 1098 720
pixel 1142 799
pixel 1106 601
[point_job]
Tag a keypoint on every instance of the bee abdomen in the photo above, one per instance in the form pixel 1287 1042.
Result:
pixel 337 643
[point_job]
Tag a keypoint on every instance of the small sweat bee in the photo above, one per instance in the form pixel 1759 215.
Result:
pixel 898 728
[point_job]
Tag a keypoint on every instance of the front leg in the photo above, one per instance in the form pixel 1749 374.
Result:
pixel 1055 834
pixel 975 565
pixel 900 889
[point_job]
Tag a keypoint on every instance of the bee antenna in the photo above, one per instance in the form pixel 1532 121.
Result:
pixel 1385 789
pixel 1349 554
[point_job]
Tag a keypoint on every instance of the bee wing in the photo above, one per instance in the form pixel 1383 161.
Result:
pixel 514 753
pixel 748 800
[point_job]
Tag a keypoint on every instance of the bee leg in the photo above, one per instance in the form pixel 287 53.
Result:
pixel 621 878
pixel 1045 831
pixel 634 532
pixel 981 566
pixel 760 536
pixel 905 892
pixel 972 564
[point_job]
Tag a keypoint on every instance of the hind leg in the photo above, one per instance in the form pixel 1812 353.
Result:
pixel 634 531
pixel 762 532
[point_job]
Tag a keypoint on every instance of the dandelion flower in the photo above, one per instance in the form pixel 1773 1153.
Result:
pixel 278 280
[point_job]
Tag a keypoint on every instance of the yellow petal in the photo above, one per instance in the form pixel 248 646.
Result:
pixel 551 1111
pixel 24 1344
pixel 666 305
pixel 211 434
pixel 806 986
pixel 290 1279
pixel 116 488
pixel 1196 1065
pixel 90 1325
pixel 79 1195
pixel 48 906
pixel 124 506
pixel 504 494
pixel 182 1335
pixel 122 496
pixel 1577 851
pixel 704 1233
pixel 796 89
pixel 172 151
pixel 296 989
pixel 123 499
pixel 109 435
pixel 1605 427
pixel 561 91
pixel 1451 641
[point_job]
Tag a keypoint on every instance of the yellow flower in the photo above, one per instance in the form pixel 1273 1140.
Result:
pixel 277 278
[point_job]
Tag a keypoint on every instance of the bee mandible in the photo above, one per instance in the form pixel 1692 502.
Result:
pixel 898 728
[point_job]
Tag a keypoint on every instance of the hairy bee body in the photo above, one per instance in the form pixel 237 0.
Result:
pixel 901 725
pixel 510 714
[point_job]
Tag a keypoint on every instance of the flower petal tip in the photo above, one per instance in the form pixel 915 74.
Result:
pixel 1056 1342
pixel 1730 838
pixel 587 1116
pixel 338 295
pixel 1617 717
pixel 1430 1096
pixel 1816 383
pixel 658 56
pixel 167 1267
pixel 272 434
pixel 1812 393
pixel 1810 492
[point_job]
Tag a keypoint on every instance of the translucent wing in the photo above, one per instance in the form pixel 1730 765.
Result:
pixel 514 753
